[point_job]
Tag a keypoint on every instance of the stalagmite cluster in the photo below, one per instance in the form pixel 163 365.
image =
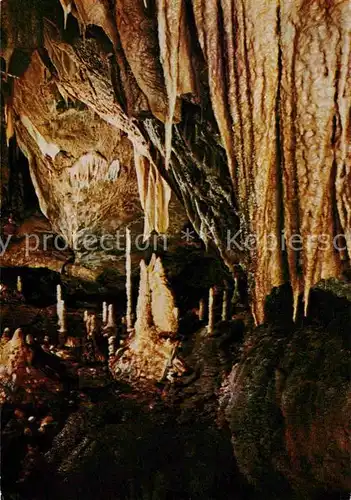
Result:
pixel 150 348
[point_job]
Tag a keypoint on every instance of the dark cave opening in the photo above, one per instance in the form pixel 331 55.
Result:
pixel 21 199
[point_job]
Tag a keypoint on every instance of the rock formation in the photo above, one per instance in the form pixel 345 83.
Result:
pixel 288 409
pixel 274 75
pixel 149 350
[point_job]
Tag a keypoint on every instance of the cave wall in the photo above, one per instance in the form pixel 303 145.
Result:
pixel 258 96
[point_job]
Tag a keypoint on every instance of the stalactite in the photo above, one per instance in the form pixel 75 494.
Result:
pixel 169 16
pixel 187 83
pixel 211 315
pixel 142 167
pixel 90 168
pixel 150 206
pixel 314 119
pixel 90 12
pixel 154 193
pixel 10 129
pixel 129 312
pixel 207 18
pixel 67 9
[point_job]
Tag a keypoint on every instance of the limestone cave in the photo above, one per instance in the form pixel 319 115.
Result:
pixel 175 228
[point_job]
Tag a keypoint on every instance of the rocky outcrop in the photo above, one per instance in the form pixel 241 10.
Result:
pixel 20 381
pixel 287 406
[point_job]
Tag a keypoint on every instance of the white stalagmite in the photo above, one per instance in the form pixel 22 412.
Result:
pixel 169 23
pixel 19 284
pixel 111 317
pixel 225 305
pixel 202 309
pixel 58 294
pixel 112 345
pixel 129 312
pixel 210 325
pixel 104 313
pixel 61 313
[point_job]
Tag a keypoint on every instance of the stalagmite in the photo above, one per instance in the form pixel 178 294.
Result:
pixel 150 349
pixel 6 334
pixel 211 318
pixel 61 313
pixel 111 317
pixel 91 325
pixel 29 339
pixel 202 309
pixel 144 312
pixel 129 312
pixel 169 16
pixel 112 345
pixel 164 312
pixel 104 313
pixel 19 284
pixel 58 294
pixel 225 305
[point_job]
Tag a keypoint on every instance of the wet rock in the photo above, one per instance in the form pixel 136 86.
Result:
pixel 287 408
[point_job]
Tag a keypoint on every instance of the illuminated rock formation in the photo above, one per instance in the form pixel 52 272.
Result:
pixel 19 380
pixel 149 350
